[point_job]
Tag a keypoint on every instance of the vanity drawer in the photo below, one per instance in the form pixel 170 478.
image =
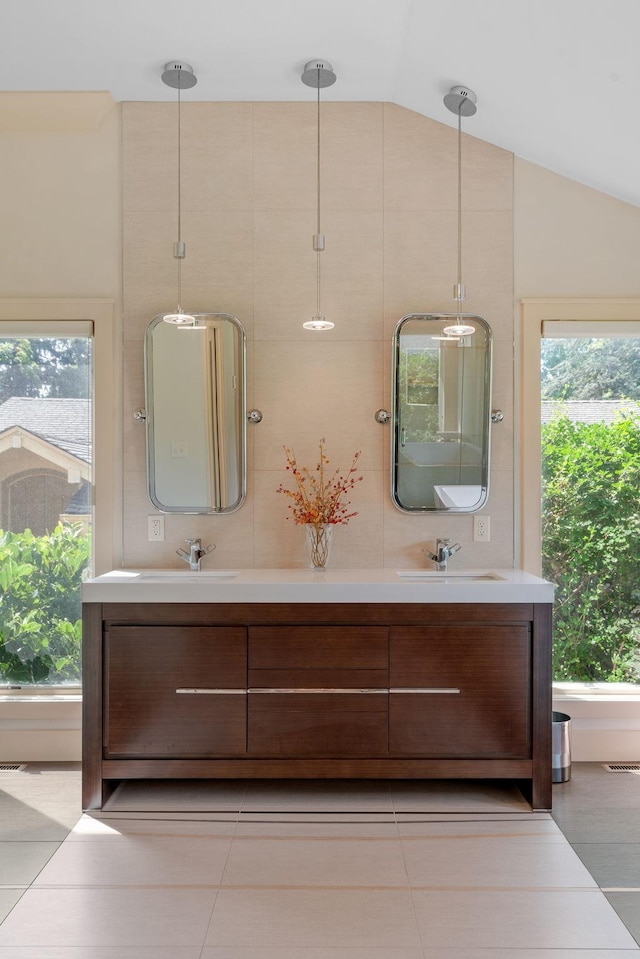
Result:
pixel 316 725
pixel 318 656
pixel 318 647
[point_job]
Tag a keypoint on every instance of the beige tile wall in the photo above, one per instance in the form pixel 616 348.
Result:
pixel 389 215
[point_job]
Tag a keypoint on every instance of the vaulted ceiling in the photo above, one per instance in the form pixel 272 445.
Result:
pixel 557 81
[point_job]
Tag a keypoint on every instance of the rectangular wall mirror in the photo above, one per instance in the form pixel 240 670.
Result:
pixel 196 414
pixel 441 413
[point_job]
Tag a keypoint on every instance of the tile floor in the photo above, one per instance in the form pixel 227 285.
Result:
pixel 335 872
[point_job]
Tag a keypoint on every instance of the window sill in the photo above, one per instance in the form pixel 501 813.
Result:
pixel 27 697
pixel 595 692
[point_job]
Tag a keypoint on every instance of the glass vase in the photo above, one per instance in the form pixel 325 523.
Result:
pixel 318 537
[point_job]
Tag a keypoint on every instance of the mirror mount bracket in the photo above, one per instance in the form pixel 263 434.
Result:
pixel 254 416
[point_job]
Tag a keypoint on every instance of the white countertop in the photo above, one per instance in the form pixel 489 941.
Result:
pixel 310 586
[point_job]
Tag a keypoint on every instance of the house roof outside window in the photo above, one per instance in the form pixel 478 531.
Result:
pixel 65 423
pixel 588 411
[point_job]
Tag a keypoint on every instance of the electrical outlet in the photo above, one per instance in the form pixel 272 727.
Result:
pixel 481 529
pixel 155 528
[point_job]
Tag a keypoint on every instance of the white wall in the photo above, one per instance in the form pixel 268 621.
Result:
pixel 570 240
pixel 60 195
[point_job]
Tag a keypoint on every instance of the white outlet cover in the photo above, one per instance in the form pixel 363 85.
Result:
pixel 481 529
pixel 155 528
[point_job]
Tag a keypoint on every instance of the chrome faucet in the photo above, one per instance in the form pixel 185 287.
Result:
pixel 195 554
pixel 444 550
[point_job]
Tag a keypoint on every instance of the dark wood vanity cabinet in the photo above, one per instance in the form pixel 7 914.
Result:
pixel 317 691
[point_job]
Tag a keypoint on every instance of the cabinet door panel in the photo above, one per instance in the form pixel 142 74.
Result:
pixel 145 713
pixel 490 715
pixel 317 725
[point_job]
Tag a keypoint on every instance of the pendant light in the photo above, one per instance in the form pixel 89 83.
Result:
pixel 319 74
pixel 461 101
pixel 179 76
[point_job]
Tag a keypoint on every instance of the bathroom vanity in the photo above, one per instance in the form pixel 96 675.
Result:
pixel 336 674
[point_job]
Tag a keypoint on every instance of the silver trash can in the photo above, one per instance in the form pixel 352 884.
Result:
pixel 560 747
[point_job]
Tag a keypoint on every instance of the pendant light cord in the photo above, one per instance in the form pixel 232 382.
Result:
pixel 179 168
pixel 318 154
pixel 318 73
pixel 318 312
pixel 460 100
pixel 178 75
pixel 460 210
pixel 180 254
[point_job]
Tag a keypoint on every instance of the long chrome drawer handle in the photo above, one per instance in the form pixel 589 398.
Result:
pixel 304 691
pixel 203 691
pixel 424 689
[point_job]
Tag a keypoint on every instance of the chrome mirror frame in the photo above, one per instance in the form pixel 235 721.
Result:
pixel 183 382
pixel 470 493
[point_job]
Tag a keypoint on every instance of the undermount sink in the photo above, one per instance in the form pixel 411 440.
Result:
pixel 437 575
pixel 187 575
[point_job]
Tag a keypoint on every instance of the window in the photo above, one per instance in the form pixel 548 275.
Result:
pixel 590 500
pixel 59 500
pixel 45 505
pixel 597 485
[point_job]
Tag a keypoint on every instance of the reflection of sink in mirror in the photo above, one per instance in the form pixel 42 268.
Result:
pixel 204 576
pixel 434 576
pixel 458 497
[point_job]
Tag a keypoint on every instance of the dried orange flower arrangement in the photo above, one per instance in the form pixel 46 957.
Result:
pixel 319 498
pixel 319 501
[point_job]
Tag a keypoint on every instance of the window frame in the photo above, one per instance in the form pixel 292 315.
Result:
pixel 45 723
pixel 605 717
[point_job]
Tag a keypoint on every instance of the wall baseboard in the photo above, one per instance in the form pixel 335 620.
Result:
pixel 604 728
pixel 41 729
pixel 40 746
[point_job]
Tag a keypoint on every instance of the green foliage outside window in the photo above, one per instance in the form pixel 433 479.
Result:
pixel 591 547
pixel 419 398
pixel 40 605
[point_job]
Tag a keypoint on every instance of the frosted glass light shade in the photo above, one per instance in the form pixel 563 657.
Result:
pixel 459 329
pixel 318 322
pixel 179 318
